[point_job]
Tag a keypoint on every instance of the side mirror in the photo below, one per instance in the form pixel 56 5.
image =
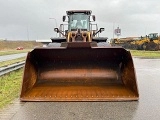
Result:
pixel 101 30
pixel 93 17
pixel 59 31
pixel 64 18
pixel 56 30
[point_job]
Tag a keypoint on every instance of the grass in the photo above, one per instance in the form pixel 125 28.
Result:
pixel 9 52
pixel 10 87
pixel 145 54
pixel 10 62
pixel 12 45
pixel 9 47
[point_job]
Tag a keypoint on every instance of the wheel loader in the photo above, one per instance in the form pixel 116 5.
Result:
pixel 150 42
pixel 80 69
pixel 153 42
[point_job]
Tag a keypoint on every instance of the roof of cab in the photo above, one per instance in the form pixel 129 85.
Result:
pixel 88 12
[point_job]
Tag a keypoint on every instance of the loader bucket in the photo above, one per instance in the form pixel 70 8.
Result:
pixel 79 72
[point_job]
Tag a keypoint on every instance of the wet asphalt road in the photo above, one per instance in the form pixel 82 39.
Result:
pixel 12 56
pixel 147 108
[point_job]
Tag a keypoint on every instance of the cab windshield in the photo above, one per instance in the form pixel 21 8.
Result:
pixel 78 21
pixel 154 35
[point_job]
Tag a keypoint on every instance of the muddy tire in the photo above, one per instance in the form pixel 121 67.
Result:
pixel 152 46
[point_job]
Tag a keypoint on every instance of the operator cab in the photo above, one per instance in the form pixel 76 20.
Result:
pixel 79 28
pixel 153 36
pixel 79 19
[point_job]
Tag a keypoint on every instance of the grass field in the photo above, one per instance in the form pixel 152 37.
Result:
pixel 12 45
pixel 10 87
pixel 9 52
pixel 145 54
pixel 9 47
pixel 10 62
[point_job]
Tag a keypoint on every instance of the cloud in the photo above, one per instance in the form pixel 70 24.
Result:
pixel 23 18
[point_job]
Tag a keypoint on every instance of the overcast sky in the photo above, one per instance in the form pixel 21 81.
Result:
pixel 29 19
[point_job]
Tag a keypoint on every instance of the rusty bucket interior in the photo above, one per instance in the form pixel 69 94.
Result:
pixel 79 72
